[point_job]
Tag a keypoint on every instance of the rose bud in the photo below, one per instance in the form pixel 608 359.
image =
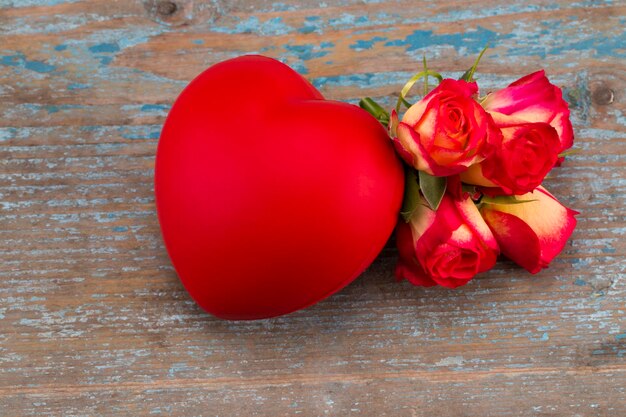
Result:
pixel 532 233
pixel 534 99
pixel 446 131
pixel 448 246
pixel 528 152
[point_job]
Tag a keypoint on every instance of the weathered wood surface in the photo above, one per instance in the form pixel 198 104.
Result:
pixel 93 320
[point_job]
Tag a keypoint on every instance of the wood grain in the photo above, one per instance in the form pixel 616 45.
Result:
pixel 93 320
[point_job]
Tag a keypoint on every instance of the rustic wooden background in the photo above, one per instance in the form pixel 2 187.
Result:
pixel 93 320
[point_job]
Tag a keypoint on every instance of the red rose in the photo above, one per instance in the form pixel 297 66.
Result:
pixel 447 131
pixel 534 99
pixel 531 234
pixel 448 246
pixel 528 152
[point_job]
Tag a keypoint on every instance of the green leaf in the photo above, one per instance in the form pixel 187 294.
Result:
pixel 406 103
pixel 469 74
pixel 433 188
pixel 407 87
pixel 375 109
pixel 503 199
pixel 411 195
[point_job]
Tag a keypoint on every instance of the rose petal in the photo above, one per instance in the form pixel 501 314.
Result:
pixel 393 123
pixel 519 95
pixel 528 152
pixel 516 239
pixel 471 216
pixel 417 110
pixel 410 141
pixel 534 99
pixel 474 175
pixel 407 267
pixel 547 219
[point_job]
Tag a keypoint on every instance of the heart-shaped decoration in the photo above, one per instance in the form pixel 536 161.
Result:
pixel 270 197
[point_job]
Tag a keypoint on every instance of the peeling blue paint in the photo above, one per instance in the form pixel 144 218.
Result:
pixel 602 45
pixel 347 19
pixel 105 60
pixel 51 108
pixel 282 7
pixel 364 80
pixel 361 44
pixel 19 60
pixel 7 133
pixel 306 52
pixel 39 66
pixel 198 41
pixel 177 367
pixel 141 132
pixel 580 282
pixel 31 3
pixel 471 41
pixel 274 26
pixel 78 86
pixel 155 107
pixel 61 47
pixel 107 47
pixel 621 336
pixel 12 60
pixel 120 229
pixel 306 29
pixel 299 67
pixel 312 24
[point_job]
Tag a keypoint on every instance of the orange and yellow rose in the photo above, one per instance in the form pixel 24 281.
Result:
pixel 447 131
pixel 532 233
pixel 447 246
pixel 535 125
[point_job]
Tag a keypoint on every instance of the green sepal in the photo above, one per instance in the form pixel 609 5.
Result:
pixel 433 188
pixel 469 74
pixel 411 195
pixel 407 87
pixel 503 199
pixel 375 109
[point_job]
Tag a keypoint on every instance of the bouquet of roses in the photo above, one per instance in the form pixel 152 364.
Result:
pixel 474 168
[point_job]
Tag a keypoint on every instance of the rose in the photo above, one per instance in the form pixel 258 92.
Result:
pixel 534 99
pixel 528 152
pixel 448 246
pixel 532 233
pixel 446 131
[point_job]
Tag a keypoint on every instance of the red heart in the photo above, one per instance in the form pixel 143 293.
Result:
pixel 270 197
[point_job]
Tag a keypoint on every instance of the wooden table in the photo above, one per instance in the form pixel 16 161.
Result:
pixel 93 320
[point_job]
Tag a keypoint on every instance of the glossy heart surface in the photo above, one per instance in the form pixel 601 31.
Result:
pixel 271 198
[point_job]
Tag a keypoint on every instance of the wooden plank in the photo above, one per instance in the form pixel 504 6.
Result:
pixel 93 320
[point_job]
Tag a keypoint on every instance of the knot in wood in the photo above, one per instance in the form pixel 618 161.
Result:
pixel 166 8
pixel 602 95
